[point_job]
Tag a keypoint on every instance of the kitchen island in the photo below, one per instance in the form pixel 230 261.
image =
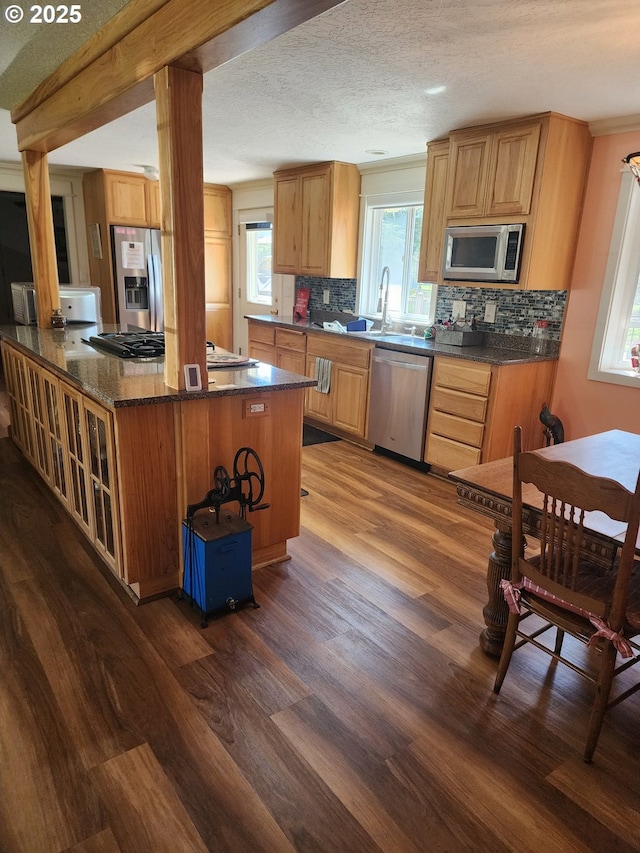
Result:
pixel 127 454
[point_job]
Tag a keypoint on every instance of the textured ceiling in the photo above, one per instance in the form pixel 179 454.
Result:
pixel 357 78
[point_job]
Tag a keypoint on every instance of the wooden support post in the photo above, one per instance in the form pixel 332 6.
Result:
pixel 41 236
pixel 179 118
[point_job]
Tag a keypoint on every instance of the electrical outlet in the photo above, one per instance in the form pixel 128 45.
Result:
pixel 490 312
pixel 459 309
pixel 326 297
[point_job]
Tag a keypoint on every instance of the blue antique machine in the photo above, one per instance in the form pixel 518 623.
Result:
pixel 217 545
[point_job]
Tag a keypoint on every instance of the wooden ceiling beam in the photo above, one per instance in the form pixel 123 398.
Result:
pixel 197 35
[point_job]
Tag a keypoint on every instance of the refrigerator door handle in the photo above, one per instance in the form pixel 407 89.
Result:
pixel 158 306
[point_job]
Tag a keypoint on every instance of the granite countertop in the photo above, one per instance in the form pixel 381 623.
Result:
pixel 497 349
pixel 120 382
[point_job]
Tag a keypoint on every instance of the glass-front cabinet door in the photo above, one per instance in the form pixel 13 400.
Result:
pixel 79 504
pixel 20 403
pixel 55 435
pixel 102 483
pixel 39 420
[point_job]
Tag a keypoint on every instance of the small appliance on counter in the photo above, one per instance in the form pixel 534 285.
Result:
pixel 77 304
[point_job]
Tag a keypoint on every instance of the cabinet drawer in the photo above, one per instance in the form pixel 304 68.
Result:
pixel 463 375
pixel 468 432
pixel 449 454
pixel 459 403
pixel 345 352
pixel 290 339
pixel 261 332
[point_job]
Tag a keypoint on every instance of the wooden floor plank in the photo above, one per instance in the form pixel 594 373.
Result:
pixel 316 736
pixel 144 812
pixel 352 711
pixel 46 800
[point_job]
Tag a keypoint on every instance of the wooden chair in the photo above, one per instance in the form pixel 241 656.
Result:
pixel 598 605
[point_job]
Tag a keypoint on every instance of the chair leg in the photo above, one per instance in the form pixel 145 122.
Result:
pixel 601 700
pixel 559 638
pixel 507 650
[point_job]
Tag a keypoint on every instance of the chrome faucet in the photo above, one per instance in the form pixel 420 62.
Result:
pixel 383 298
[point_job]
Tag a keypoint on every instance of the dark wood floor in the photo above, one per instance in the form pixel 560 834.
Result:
pixel 352 712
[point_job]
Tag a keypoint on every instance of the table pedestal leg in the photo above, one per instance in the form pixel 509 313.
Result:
pixel 496 612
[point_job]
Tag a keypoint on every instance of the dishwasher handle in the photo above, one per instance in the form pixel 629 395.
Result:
pixel 405 365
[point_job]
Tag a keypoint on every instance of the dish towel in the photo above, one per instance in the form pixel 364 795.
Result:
pixel 323 375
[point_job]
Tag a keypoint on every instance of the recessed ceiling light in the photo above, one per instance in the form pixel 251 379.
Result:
pixel 435 90
pixel 378 152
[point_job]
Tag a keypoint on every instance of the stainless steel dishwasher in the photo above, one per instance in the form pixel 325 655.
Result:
pixel 400 384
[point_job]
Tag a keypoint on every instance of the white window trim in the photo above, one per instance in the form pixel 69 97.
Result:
pixel 622 266
pixel 397 198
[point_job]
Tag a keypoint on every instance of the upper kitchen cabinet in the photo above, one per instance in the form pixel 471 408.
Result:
pixel 435 193
pixel 531 170
pixel 492 173
pixel 316 220
pixel 126 198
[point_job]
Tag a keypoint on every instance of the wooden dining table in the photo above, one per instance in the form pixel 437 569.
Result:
pixel 488 489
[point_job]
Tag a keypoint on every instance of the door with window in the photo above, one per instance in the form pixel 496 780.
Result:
pixel 259 290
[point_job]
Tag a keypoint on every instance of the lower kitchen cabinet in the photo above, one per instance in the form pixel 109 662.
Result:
pixel 19 405
pixel 346 404
pixel 56 436
pixel 39 423
pixel 283 348
pixel 102 483
pixel 77 458
pixel 69 439
pixel 474 407
pixel 126 474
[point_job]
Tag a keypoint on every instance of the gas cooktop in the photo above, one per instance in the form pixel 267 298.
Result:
pixel 129 344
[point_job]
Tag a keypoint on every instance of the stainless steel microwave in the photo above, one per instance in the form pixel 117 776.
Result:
pixel 483 253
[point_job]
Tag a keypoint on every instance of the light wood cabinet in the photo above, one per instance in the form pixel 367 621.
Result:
pixel 121 198
pixel 102 482
pixel 59 480
pixel 435 194
pixel 283 348
pixel 530 170
pixel 316 211
pixel 492 173
pixel 39 420
pixel 76 447
pixel 19 406
pixel 217 265
pixel 125 198
pixel 473 408
pixel 72 447
pixel 114 198
pixel 346 404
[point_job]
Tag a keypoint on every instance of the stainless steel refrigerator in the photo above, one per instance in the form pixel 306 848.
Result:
pixel 137 266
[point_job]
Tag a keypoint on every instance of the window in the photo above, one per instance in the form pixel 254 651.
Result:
pixel 258 249
pixel 392 232
pixel 618 324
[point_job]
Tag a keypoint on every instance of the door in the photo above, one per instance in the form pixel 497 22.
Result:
pixel 259 290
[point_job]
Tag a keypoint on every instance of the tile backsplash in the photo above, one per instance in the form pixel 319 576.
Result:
pixel 342 292
pixel 516 310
